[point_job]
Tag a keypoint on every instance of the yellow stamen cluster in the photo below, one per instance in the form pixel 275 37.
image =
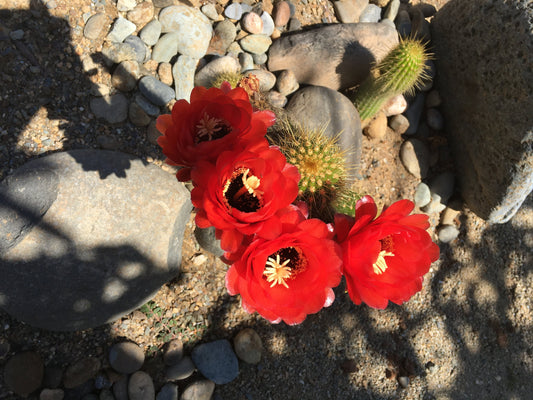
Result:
pixel 380 265
pixel 251 183
pixel 208 126
pixel 277 273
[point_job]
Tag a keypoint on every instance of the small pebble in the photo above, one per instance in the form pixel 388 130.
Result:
pixel 17 34
pixel 433 99
pixel 276 99
pixel 414 155
pixel 422 195
pixel 377 127
pixel 168 392
pixel 199 390
pixel 414 112
pixel 448 233
pixel 399 124
pixel 371 13
pixel 210 11
pixel 268 24
pixel 233 11
pixel 248 346
pixel 52 394
pixel 395 106
pixel 255 44
pixel 286 82
pixel 267 79
pixel 121 29
pixel 156 91
pixel 216 361
pixel 164 71
pixel 80 372
pixel 403 381
pixel 126 357
pixel 173 352
pixel 23 373
pixel 247 61
pixel 141 386
pixel 434 119
pixel 252 23
pixel 151 32
pixel 181 370
pixel 281 13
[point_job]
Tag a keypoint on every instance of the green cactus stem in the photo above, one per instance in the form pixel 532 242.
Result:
pixel 401 71
pixel 232 77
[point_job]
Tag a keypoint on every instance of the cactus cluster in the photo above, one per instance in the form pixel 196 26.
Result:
pixel 401 71
pixel 233 78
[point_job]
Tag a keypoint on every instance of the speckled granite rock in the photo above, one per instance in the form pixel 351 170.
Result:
pixel 105 245
pixel 486 81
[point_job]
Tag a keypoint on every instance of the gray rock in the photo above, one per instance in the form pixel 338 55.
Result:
pixel 105 394
pixel 341 56
pixel 422 195
pixel 260 59
pixel 168 392
pixel 141 386
pixel 435 205
pixel 294 24
pixel 149 108
pixel 193 28
pixel 181 370
pixel 414 113
pixel 403 381
pixel 183 74
pixel 268 24
pixel 126 5
pixel 207 240
pixel 371 14
pixel 95 26
pixel 223 36
pixel 199 390
pixel 166 47
pixel 113 109
pixel 156 91
pixel 247 61
pixel 137 115
pixel 286 82
pixel 207 75
pixel 316 107
pixel 23 373
pixel 210 11
pixel 120 388
pixel 138 46
pixel 126 75
pixel 25 197
pixel 121 29
pixel 486 81
pixel 403 23
pixel 17 34
pixel 151 32
pixel 276 99
pixel 126 357
pixel 433 99
pixel 399 123
pixel 255 44
pixel 173 352
pixel 115 53
pixel 450 213
pixel 414 155
pixel 252 23
pixel 392 10
pixel 233 11
pixel 107 243
pixel 52 394
pixel 349 11
pixel 448 233
pixel 444 185
pixel 80 372
pixel 248 346
pixel 267 79
pixel 216 361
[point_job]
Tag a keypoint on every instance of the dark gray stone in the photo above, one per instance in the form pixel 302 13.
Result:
pixel 316 106
pixel 107 243
pixel 486 80
pixel 168 392
pixel 113 109
pixel 216 361
pixel 23 373
pixel 207 240
pixel 156 91
pixel 138 45
pixel 337 56
pixel 126 357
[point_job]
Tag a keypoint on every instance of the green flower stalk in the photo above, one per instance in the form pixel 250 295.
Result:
pixel 401 71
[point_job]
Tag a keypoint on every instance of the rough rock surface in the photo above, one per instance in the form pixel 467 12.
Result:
pixel 106 244
pixel 490 120
pixel 342 53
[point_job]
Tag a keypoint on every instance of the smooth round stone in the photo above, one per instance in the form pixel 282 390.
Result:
pixel 121 29
pixel 399 123
pixel 294 24
pixel 392 10
pixel 164 72
pixel 114 108
pixel 395 106
pixel 444 185
pixel 260 59
pixel 414 113
pixel 193 28
pixel 156 91
pixel 434 119
pixel 151 32
pixel 137 115
pixel 233 11
pixel 377 127
pixel 435 205
pixel 95 26
pixel 23 373
pixel 433 99
pixel 149 108
pixel 181 370
pixel 120 388
pixel 168 392
pixel 115 53
pixel 126 5
pixel 223 37
pixel 403 381
pixel 286 82
pixel 448 233
pixel 414 155
pixel 371 13
pixel 268 24
pixel 126 357
pixel 255 44
pixel 183 73
pixel 252 23
pixel 247 62
pixel 349 11
pixel 207 240
pixel 248 346
pixel 173 352
pixel 141 14
pixel 267 79
pixel 210 11
pixel 141 386
pixel 212 70
pixel 125 75
pixel 216 361
pixel 80 372
pixel 403 23
pixel 450 214
pixel 199 390
pixel 166 47
pixel 276 99
pixel 52 394
pixel 281 13
pixel 422 195
pixel 138 46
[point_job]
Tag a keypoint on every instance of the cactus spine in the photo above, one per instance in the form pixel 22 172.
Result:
pixel 402 70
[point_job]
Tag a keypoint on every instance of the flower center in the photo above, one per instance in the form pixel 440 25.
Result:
pixel 211 128
pixel 241 191
pixel 283 265
pixel 380 265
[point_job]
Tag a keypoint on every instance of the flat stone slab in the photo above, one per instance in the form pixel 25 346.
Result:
pixel 336 56
pixel 486 81
pixel 105 235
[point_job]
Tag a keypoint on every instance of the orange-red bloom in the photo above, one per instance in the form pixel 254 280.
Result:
pixel 290 276
pixel 215 120
pixel 384 258
pixel 241 194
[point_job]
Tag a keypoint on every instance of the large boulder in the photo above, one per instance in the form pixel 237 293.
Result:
pixel 484 55
pixel 91 235
pixel 336 56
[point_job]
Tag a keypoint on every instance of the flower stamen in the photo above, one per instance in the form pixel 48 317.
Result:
pixel 250 185
pixel 210 128
pixel 277 273
pixel 380 265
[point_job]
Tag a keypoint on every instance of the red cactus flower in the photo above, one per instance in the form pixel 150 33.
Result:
pixel 290 276
pixel 384 258
pixel 242 193
pixel 215 120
